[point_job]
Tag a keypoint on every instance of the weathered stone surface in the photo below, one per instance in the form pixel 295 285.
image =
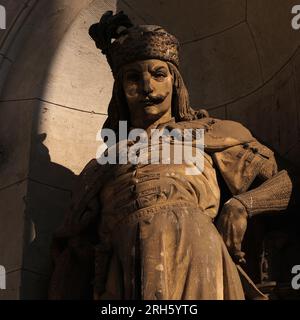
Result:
pixel 21 140
pixel 16 120
pixel 188 20
pixel 296 64
pixel 270 22
pixel 287 109
pixel 5 65
pixel 46 27
pixel 44 214
pixel 12 292
pixel 23 284
pixel 65 142
pixel 12 214
pixel 219 113
pixel 221 68
pixel 293 155
pixel 258 113
pixel 271 112
pixel 80 76
pixel 15 36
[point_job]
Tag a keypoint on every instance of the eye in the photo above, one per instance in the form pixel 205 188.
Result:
pixel 159 75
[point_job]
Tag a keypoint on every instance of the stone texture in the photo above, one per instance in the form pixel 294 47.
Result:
pixel 258 113
pixel 188 20
pixel 5 65
pixel 44 212
pixel 12 292
pixel 293 155
pixel 65 141
pixel 270 22
pixel 287 110
pixel 46 27
pixel 15 35
pixel 16 120
pixel 221 68
pixel 219 113
pixel 34 286
pixel 296 69
pixel 12 214
pixel 271 112
pixel 79 64
pixel 30 144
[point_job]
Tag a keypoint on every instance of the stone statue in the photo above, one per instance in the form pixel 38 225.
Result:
pixel 150 230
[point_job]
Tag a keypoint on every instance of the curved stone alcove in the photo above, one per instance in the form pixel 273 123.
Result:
pixel 240 59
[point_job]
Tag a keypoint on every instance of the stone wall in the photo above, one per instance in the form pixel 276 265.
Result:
pixel 240 59
pixel 55 88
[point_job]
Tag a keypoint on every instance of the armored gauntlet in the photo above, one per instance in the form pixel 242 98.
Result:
pixel 273 195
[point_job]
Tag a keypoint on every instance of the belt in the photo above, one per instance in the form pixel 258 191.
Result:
pixel 146 214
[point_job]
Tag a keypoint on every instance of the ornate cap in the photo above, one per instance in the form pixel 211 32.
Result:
pixel 123 43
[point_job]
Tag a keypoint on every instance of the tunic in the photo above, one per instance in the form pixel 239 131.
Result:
pixel 153 234
pixel 157 221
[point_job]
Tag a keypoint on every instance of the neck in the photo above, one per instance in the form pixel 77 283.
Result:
pixel 147 125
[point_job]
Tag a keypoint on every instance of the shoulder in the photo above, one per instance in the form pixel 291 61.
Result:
pixel 228 128
pixel 219 133
pixel 90 168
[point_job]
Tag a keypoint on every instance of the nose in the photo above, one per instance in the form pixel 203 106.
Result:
pixel 147 87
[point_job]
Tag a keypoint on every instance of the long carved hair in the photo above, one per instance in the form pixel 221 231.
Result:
pixel 118 109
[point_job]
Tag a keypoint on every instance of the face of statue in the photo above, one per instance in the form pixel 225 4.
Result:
pixel 148 88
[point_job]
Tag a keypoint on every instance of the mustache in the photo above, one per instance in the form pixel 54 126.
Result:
pixel 154 99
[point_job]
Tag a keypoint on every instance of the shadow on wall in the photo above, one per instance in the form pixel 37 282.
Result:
pixel 50 184
pixel 53 101
pixel 47 185
pixel 67 116
pixel 45 207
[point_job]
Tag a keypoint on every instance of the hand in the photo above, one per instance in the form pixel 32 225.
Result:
pixel 232 225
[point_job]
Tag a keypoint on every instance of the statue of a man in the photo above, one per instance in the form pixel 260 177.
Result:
pixel 147 230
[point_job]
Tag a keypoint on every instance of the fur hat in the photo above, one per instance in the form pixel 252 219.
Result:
pixel 123 43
